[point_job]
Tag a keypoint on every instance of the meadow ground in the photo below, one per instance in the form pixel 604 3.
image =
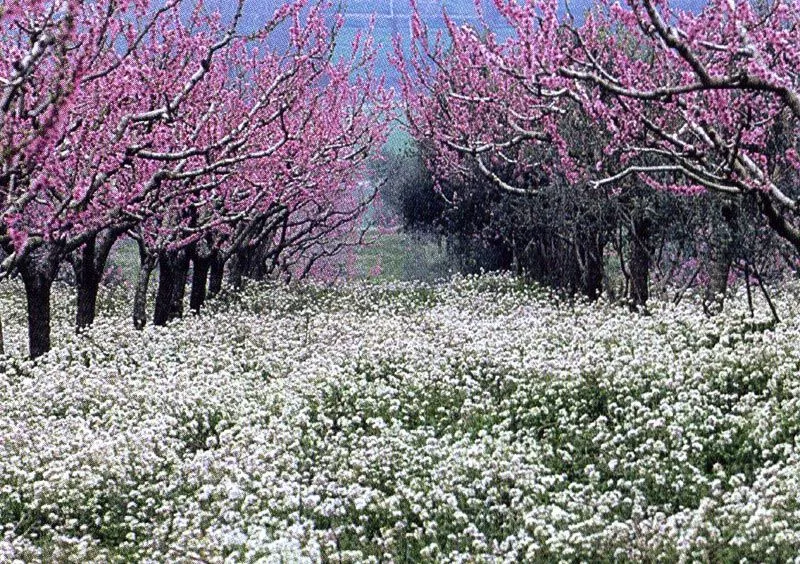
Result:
pixel 474 420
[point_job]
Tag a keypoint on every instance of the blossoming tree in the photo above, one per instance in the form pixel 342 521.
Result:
pixel 286 189
pixel 499 109
pixel 163 114
pixel 709 101
pixel 686 102
pixel 66 128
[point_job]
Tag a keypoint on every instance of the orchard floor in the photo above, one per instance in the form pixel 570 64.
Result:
pixel 474 420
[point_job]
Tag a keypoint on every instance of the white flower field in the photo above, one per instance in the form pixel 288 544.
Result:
pixel 475 420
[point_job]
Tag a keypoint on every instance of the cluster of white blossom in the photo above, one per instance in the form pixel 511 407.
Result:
pixel 477 419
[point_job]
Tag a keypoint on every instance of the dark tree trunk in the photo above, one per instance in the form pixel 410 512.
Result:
pixel 570 269
pixel 164 293
pixel 200 267
pixel 593 269
pixel 146 267
pixel 87 304
pixel 87 282
pixel 720 259
pixel 257 263
pixel 173 268
pixel 38 272
pixel 181 274
pixel 217 272
pixel 594 276
pixel 238 266
pixel 37 294
pixel 640 263
pixel 89 265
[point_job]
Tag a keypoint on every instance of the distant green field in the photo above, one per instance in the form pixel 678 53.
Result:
pixel 401 256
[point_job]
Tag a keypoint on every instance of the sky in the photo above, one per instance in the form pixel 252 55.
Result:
pixel 394 14
pixel 392 17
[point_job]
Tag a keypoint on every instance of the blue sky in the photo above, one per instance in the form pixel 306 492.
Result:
pixel 393 16
pixel 395 13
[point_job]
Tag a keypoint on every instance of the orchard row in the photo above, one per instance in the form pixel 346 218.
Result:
pixel 215 148
pixel 171 125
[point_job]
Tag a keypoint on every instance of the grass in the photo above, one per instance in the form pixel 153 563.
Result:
pixel 400 256
pixel 403 256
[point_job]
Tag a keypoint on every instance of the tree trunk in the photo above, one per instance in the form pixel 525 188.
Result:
pixel 37 294
pixel 164 294
pixel 87 303
pixel 200 267
pixel 217 272
pixel 640 263
pixel 181 274
pixel 38 272
pixel 146 267
pixel 594 276
pixel 87 283
pixel 718 272
pixel 236 271
pixel 721 253
pixel 90 264
pixel 173 268
pixel 593 268
pixel 257 262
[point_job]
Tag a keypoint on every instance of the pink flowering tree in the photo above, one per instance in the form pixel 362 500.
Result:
pixel 65 64
pixel 132 117
pixel 498 109
pixel 479 102
pixel 285 190
pixel 318 204
pixel 706 101
pixel 685 103
pixel 709 92
pixel 126 116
